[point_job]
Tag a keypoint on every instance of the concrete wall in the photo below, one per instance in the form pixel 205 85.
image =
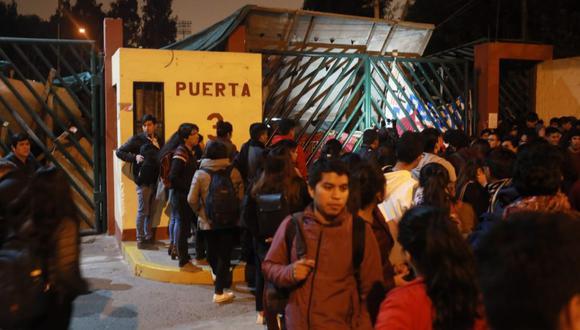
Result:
pixel 198 86
pixel 558 88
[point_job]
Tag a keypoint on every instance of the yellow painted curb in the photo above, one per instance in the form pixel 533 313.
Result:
pixel 142 267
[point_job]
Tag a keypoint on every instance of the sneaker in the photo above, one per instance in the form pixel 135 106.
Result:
pixel 222 298
pixel 230 292
pixel 189 267
pixel 201 262
pixel 260 318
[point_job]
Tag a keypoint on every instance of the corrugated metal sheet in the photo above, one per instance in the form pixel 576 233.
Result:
pixel 280 29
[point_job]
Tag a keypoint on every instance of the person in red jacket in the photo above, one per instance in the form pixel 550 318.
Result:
pixel 444 295
pixel 325 292
pixel 286 131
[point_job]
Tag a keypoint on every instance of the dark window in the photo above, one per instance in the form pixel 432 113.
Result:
pixel 148 98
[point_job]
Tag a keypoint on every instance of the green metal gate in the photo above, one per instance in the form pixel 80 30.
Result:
pixel 340 94
pixel 52 90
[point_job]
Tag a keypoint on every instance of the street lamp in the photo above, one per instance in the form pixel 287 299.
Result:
pixel 82 30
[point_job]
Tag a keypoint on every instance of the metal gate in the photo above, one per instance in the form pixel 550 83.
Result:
pixel 340 94
pixel 52 90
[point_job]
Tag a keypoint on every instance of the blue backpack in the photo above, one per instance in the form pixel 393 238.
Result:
pixel 221 203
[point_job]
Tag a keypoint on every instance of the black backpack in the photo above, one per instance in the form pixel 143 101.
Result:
pixel 221 203
pixel 277 298
pixel 272 210
pixel 23 283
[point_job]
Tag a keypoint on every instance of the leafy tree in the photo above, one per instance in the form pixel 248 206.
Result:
pixel 8 17
pixel 128 10
pixel 90 15
pixel 67 20
pixel 159 26
pixel 13 24
pixel 461 21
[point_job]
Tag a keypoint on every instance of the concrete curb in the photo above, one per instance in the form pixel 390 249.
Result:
pixel 142 267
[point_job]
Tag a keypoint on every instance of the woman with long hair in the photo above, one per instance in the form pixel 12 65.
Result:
pixel 434 187
pixel 471 186
pixel 182 146
pixel 435 190
pixel 290 148
pixel 53 224
pixel 278 178
pixel 444 294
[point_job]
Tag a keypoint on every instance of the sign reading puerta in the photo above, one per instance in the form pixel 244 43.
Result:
pixel 198 87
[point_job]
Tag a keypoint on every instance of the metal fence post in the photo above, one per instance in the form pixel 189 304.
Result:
pixel 96 143
pixel 367 90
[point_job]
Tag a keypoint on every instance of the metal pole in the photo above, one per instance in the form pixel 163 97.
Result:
pixel 367 90
pixel 96 144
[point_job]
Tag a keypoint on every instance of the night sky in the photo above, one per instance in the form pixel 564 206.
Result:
pixel 202 13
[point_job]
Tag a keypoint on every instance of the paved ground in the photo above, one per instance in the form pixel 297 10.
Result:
pixel 122 301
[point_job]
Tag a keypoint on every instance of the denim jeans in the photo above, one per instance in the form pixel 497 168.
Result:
pixel 173 219
pixel 182 224
pixel 145 208
pixel 261 249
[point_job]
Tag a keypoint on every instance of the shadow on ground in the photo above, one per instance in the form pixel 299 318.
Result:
pixel 98 304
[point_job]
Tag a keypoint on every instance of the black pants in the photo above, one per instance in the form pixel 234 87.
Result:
pixel 261 249
pixel 220 244
pixel 199 244
pixel 186 216
pixel 249 256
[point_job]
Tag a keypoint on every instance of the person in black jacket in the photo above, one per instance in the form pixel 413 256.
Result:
pixel 141 151
pixel 183 165
pixel 251 157
pixel 52 222
pixel 21 155
pixel 279 177
pixel 369 146
pixel 249 162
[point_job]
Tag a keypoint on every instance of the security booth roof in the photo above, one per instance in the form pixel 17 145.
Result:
pixel 283 29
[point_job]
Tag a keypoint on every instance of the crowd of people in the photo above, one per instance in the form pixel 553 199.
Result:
pixel 395 234
pixel 427 230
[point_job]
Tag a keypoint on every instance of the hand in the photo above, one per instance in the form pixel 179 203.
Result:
pixel 139 159
pixel 302 268
pixel 401 271
pixel 399 280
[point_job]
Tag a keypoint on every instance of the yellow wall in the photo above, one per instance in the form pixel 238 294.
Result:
pixel 229 84
pixel 558 88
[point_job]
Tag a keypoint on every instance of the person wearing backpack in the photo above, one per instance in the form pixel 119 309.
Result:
pixel 327 277
pixel 278 192
pixel 215 194
pixel 180 148
pixel 141 151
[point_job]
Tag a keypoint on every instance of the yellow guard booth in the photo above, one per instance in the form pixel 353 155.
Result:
pixel 178 87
